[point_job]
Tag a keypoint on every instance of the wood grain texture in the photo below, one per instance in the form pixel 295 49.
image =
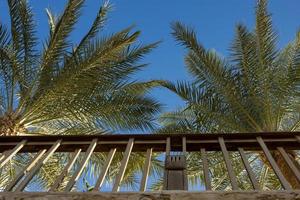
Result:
pixel 164 195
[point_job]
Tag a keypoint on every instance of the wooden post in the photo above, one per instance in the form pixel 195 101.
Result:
pixel 175 177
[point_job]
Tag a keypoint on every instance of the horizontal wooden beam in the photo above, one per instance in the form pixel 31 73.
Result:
pixel 157 142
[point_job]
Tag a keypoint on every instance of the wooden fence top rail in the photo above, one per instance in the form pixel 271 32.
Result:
pixel 142 142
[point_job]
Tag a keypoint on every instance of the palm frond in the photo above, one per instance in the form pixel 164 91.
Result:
pixel 97 25
pixel 24 42
pixel 58 42
pixel 52 20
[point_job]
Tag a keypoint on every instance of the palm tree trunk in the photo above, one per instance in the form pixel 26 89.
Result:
pixel 9 126
pixel 283 166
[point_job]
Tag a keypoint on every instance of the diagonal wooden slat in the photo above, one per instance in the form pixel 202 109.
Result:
pixel 285 184
pixel 27 168
pixel 231 174
pixel 65 171
pixel 248 168
pixel 104 171
pixel 289 161
pixel 3 155
pixel 82 165
pixel 38 165
pixel 205 169
pixel 11 153
pixel 123 166
pixel 146 170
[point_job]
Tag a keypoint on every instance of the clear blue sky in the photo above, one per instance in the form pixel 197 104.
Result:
pixel 214 21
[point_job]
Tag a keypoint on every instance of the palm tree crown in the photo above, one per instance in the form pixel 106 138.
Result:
pixel 71 89
pixel 66 88
pixel 256 89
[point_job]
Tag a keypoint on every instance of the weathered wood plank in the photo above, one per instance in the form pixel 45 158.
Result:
pixel 162 195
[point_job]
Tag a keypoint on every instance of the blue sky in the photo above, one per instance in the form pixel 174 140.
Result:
pixel 214 21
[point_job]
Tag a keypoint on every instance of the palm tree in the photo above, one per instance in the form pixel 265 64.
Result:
pixel 256 89
pixel 66 88
pixel 70 89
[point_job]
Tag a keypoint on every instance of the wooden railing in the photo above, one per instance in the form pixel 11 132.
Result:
pixel 45 146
